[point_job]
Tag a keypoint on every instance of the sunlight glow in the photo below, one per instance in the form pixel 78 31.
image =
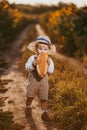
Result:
pixel 49 2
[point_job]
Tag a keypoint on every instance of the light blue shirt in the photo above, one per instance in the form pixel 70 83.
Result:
pixel 29 64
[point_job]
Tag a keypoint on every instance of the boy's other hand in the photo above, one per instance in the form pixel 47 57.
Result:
pixel 35 62
pixel 48 61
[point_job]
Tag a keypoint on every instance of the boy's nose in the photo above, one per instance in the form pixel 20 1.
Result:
pixel 42 48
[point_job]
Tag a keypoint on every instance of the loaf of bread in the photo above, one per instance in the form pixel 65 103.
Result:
pixel 42 65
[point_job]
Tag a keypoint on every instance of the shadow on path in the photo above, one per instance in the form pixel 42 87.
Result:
pixel 38 126
pixel 31 122
pixel 48 125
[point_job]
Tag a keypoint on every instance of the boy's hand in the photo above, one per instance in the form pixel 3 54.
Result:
pixel 35 62
pixel 48 61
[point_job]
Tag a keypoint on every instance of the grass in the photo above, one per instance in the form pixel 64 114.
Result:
pixel 68 97
pixel 84 61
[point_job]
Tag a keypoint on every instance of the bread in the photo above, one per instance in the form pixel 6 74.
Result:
pixel 42 65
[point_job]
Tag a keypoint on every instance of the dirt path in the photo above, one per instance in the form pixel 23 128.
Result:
pixel 17 90
pixel 61 57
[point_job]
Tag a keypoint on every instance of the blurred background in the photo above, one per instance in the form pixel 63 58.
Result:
pixel 65 22
pixel 54 16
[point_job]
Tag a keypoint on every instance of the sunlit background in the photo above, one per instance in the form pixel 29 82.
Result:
pixel 49 2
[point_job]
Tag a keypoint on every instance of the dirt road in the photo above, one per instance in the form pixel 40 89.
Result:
pixel 17 90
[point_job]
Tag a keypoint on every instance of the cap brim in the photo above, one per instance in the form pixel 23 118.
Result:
pixel 32 47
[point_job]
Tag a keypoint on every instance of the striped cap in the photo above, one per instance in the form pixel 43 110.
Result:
pixel 43 39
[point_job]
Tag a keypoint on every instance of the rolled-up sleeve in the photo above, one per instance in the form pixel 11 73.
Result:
pixel 29 64
pixel 51 66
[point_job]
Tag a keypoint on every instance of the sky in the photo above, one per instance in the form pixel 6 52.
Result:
pixel 79 3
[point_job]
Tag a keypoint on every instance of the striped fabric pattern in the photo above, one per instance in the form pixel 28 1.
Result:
pixel 42 40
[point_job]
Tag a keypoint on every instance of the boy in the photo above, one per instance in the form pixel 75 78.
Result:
pixel 39 85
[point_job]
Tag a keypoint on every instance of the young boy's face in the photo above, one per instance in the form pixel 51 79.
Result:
pixel 42 48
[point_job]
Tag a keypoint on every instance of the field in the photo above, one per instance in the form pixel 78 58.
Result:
pixel 68 84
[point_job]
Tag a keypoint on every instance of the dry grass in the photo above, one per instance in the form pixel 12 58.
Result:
pixel 68 96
